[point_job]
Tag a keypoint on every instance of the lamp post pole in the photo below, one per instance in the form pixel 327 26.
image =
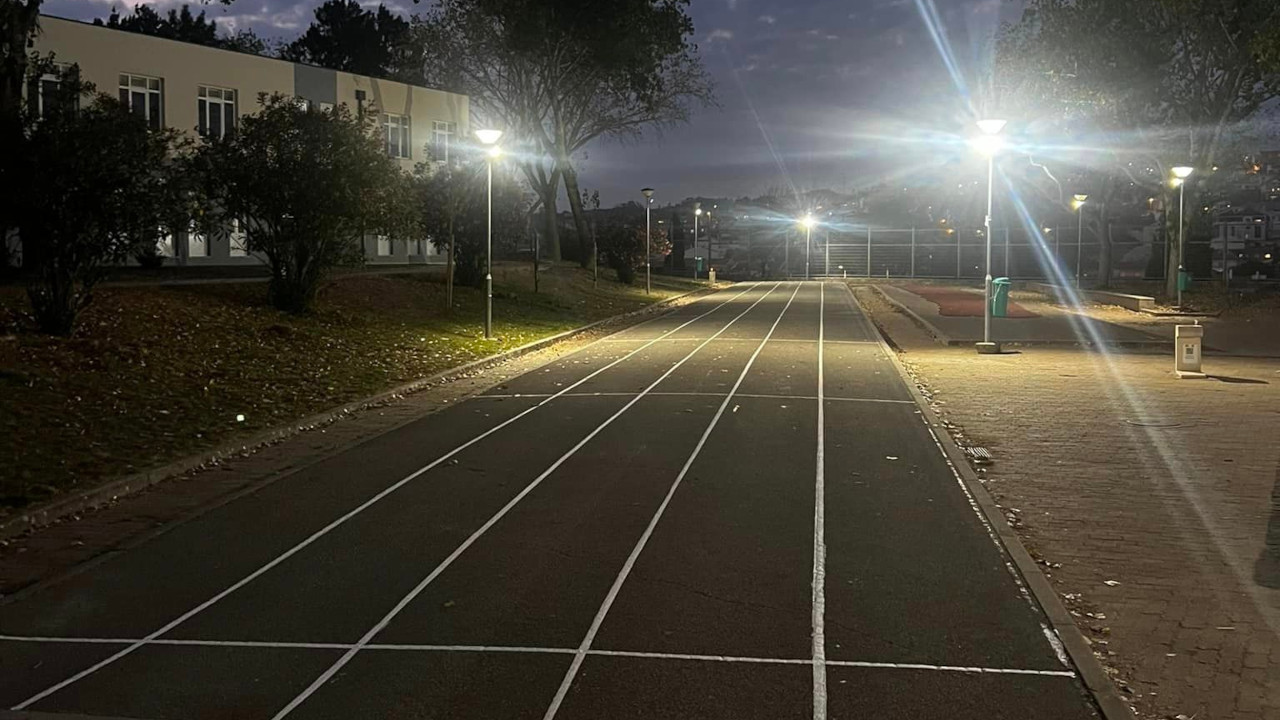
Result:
pixel 1180 175
pixel 808 244
pixel 648 244
pixel 986 305
pixel 488 259
pixel 697 210
pixel 1079 201
pixel 490 139
pixel 988 144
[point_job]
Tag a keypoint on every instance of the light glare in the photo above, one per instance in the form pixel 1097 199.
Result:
pixel 488 137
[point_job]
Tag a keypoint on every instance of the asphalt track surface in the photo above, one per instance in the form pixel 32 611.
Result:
pixel 733 511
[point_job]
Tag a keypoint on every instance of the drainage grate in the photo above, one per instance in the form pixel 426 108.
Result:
pixel 980 455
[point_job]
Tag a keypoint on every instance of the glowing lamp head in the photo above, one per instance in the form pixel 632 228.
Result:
pixel 489 137
pixel 991 126
pixel 989 143
pixel 697 211
pixel 1182 172
pixel 1079 201
pixel 807 221
pixel 648 193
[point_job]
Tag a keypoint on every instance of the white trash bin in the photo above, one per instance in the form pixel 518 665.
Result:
pixel 1188 346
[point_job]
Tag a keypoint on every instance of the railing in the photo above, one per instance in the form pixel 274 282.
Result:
pixel 1055 255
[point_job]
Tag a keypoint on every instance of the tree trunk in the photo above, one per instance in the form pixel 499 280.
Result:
pixel 1104 247
pixel 19 21
pixel 448 271
pixel 575 204
pixel 550 221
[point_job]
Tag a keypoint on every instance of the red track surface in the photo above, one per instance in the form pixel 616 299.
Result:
pixel 957 302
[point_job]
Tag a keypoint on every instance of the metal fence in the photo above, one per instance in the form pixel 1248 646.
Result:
pixel 947 253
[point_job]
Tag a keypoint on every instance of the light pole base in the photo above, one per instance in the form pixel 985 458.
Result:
pixel 988 348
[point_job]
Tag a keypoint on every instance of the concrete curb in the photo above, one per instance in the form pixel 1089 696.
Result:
pixel 938 336
pixel 50 512
pixel 943 339
pixel 1091 672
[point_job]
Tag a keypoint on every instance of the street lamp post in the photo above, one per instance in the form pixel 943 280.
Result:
pixel 807 222
pixel 1078 202
pixel 1180 175
pixel 697 211
pixel 490 139
pixel 648 245
pixel 988 144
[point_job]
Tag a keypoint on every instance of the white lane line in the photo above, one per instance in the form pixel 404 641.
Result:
pixel 949 668
pixel 756 340
pixel 585 647
pixel 701 658
pixel 410 647
pixel 343 519
pixel 762 396
pixel 444 565
pixel 820 535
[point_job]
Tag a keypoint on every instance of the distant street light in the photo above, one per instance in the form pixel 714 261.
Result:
pixel 1078 203
pixel 648 245
pixel 988 144
pixel 490 139
pixel 1180 175
pixel 807 222
pixel 697 210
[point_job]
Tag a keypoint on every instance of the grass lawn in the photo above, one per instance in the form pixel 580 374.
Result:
pixel 156 373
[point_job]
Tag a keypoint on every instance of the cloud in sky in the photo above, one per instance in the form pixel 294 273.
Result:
pixel 804 73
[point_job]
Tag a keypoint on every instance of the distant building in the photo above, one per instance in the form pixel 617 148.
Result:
pixel 205 90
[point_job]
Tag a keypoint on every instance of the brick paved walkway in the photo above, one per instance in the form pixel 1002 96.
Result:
pixel 1152 502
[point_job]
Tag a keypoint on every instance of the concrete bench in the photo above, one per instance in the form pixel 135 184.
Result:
pixel 1137 303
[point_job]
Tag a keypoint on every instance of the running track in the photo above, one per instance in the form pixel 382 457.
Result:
pixel 733 511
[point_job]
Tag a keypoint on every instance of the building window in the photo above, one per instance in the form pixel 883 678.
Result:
pixel 197 242
pixel 239 240
pixel 384 246
pixel 164 243
pixel 145 97
pixel 418 246
pixel 442 139
pixel 397 130
pixel 215 112
pixel 45 91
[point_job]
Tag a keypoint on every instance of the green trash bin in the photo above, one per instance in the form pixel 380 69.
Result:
pixel 1000 297
pixel 1184 280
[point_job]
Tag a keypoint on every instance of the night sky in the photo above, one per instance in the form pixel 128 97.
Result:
pixel 810 91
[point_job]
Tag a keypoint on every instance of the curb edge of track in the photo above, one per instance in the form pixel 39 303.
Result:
pixel 51 512
pixel 1094 677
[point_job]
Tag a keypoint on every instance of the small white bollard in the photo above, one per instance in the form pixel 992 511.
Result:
pixel 711 275
pixel 1188 342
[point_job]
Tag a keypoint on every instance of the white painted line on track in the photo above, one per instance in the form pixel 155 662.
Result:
pixel 609 599
pixel 949 668
pixel 761 396
pixel 410 647
pixel 444 565
pixel 756 340
pixel 350 514
pixel 819 535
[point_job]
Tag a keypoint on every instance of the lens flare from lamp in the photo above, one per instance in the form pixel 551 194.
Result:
pixel 807 221
pixel 987 145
